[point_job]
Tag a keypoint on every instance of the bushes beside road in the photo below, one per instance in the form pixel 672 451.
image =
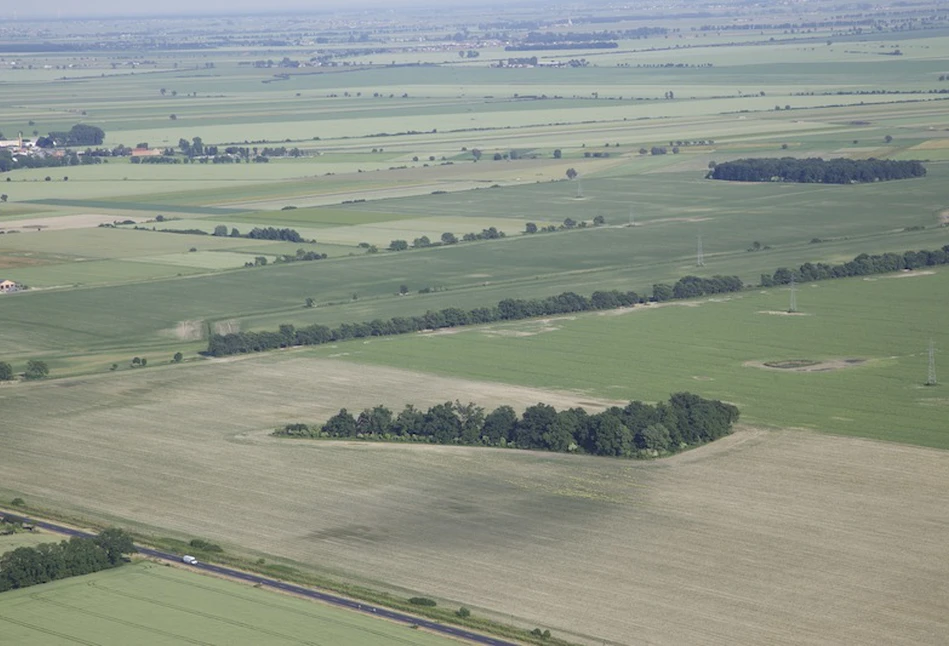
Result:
pixel 27 566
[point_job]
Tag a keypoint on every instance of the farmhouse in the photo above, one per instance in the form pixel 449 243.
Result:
pixel 8 286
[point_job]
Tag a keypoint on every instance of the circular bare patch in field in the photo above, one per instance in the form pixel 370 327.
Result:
pixel 909 273
pixel 187 330
pixel 783 313
pixel 805 365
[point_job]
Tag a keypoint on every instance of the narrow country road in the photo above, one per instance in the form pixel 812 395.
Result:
pixel 451 631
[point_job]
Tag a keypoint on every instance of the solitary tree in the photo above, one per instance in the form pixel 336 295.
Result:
pixel 220 230
pixel 572 173
pixel 178 357
pixel 6 371
pixel 36 369
pixel 530 227
pixel 557 154
pixel 888 138
pixel 476 153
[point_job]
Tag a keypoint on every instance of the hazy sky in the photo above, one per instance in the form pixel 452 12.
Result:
pixel 52 8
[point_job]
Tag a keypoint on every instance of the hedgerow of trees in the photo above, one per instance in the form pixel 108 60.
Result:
pixel 637 430
pixel 509 309
pixel 816 170
pixel 862 265
pixel 27 566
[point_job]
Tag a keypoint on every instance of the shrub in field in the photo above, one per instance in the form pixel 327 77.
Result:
pixel 36 369
pixel 423 601
pixel 201 544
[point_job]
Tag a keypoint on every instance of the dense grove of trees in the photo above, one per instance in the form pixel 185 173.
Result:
pixel 270 233
pixel 79 135
pixel 637 430
pixel 816 170
pixel 26 566
pixel 862 265
pixel 509 309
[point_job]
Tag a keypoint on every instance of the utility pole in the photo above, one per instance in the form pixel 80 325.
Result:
pixel 579 189
pixel 931 379
pixel 699 255
pixel 792 308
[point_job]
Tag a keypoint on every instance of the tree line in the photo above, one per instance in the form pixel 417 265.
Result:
pixel 816 170
pixel 26 566
pixel 862 265
pixel 509 309
pixel 636 430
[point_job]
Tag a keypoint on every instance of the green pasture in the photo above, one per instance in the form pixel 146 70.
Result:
pixel 147 603
pixel 708 347
pixel 310 217
pixel 673 210
pixel 9 542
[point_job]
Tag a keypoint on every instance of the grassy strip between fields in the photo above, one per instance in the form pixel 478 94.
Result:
pixel 293 575
pixel 137 206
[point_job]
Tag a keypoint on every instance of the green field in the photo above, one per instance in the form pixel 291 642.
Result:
pixel 25 539
pixel 147 604
pixel 418 123
pixel 716 347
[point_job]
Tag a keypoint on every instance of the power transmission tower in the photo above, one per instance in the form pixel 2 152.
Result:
pixel 931 380
pixel 793 306
pixel 632 222
pixel 699 255
pixel 579 189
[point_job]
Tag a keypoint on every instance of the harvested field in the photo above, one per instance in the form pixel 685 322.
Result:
pixel 777 537
pixel 82 221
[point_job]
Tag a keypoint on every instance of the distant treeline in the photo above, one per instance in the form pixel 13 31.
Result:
pixel 257 233
pixel 8 162
pixel 548 37
pixel 637 430
pixel 509 309
pixel 26 566
pixel 862 265
pixel 532 47
pixel 816 170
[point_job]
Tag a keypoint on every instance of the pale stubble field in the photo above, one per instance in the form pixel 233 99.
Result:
pixel 779 537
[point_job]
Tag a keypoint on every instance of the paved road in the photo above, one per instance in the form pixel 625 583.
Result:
pixel 276 584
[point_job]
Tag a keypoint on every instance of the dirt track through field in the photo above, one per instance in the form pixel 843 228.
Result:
pixel 765 537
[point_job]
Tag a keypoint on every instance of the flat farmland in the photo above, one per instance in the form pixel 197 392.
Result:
pixel 718 348
pixel 464 275
pixel 741 532
pixel 152 604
